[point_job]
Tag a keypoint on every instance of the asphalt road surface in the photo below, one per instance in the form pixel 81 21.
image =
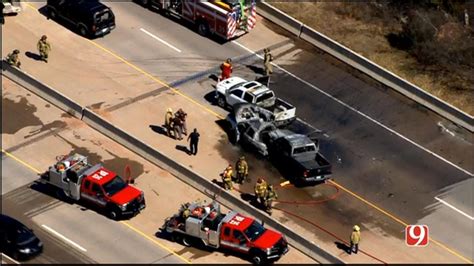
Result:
pixel 91 238
pixel 380 143
pixel 393 152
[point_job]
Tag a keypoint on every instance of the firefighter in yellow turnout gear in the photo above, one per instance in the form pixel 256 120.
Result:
pixel 261 191
pixel 242 170
pixel 271 195
pixel 227 177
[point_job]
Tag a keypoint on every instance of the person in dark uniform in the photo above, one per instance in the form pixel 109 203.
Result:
pixel 193 144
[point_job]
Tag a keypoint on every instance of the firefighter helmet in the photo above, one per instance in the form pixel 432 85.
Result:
pixel 356 228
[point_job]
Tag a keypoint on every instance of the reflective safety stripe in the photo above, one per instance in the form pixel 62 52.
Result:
pixel 234 245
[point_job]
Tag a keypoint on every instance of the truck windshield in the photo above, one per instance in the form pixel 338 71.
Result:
pixel 304 149
pixel 254 231
pixel 114 186
pixel 236 85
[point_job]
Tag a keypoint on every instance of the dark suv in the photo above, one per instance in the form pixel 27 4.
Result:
pixel 89 17
pixel 17 240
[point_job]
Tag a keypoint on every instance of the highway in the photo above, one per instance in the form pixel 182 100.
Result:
pixel 405 178
pixel 75 233
pixel 380 143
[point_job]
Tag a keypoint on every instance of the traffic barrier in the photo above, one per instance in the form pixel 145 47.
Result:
pixel 367 67
pixel 202 184
pixel 149 153
pixel 25 80
pixel 278 17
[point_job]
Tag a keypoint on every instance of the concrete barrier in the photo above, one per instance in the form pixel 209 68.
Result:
pixel 204 185
pixel 368 67
pixel 25 80
pixel 183 173
pixel 275 15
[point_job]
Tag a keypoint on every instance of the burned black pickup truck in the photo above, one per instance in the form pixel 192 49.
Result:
pixel 296 155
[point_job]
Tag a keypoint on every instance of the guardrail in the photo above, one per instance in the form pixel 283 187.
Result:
pixel 144 150
pixel 366 66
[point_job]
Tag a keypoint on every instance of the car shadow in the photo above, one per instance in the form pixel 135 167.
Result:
pixel 33 56
pixel 211 97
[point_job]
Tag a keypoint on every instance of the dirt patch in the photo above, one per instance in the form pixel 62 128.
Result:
pixel 373 33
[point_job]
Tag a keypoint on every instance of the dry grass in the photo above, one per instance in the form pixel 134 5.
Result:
pixel 363 30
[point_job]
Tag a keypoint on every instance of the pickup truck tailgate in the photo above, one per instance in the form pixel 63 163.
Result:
pixel 283 110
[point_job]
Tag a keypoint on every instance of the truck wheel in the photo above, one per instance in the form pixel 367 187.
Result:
pixel 258 258
pixel 186 241
pixel 145 3
pixel 113 214
pixel 52 13
pixel 82 30
pixel 203 28
pixel 221 101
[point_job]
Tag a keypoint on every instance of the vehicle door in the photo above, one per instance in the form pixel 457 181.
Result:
pixel 281 150
pixel 93 193
pixel 64 8
pixel 247 137
pixel 239 241
pixel 226 236
pixel 235 96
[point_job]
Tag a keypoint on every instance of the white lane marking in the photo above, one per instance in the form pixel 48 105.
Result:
pixel 360 113
pixel 64 238
pixel 8 257
pixel 158 39
pixel 454 208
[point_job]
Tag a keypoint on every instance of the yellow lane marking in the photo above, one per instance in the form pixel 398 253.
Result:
pixel 155 79
pixel 156 242
pixel 219 116
pixel 399 220
pixel 20 161
pixel 122 222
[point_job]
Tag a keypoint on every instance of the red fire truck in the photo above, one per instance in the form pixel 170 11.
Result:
pixel 79 180
pixel 197 223
pixel 227 19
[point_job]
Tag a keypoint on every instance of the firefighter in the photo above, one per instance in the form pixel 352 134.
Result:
pixel 269 198
pixel 355 239
pixel 13 59
pixel 227 178
pixel 267 62
pixel 168 121
pixel 44 47
pixel 186 213
pixel 177 124
pixel 182 115
pixel 226 69
pixel 261 190
pixel 242 170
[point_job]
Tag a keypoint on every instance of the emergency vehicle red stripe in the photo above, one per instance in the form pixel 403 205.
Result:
pixel 252 18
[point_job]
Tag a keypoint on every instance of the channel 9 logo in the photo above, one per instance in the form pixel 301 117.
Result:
pixel 416 235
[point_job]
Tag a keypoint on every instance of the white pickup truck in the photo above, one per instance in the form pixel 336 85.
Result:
pixel 11 7
pixel 237 90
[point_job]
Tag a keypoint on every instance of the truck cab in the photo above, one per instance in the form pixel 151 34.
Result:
pixel 235 91
pixel 95 184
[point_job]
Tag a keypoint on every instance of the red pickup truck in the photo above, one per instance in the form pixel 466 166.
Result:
pixel 95 184
pixel 204 223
